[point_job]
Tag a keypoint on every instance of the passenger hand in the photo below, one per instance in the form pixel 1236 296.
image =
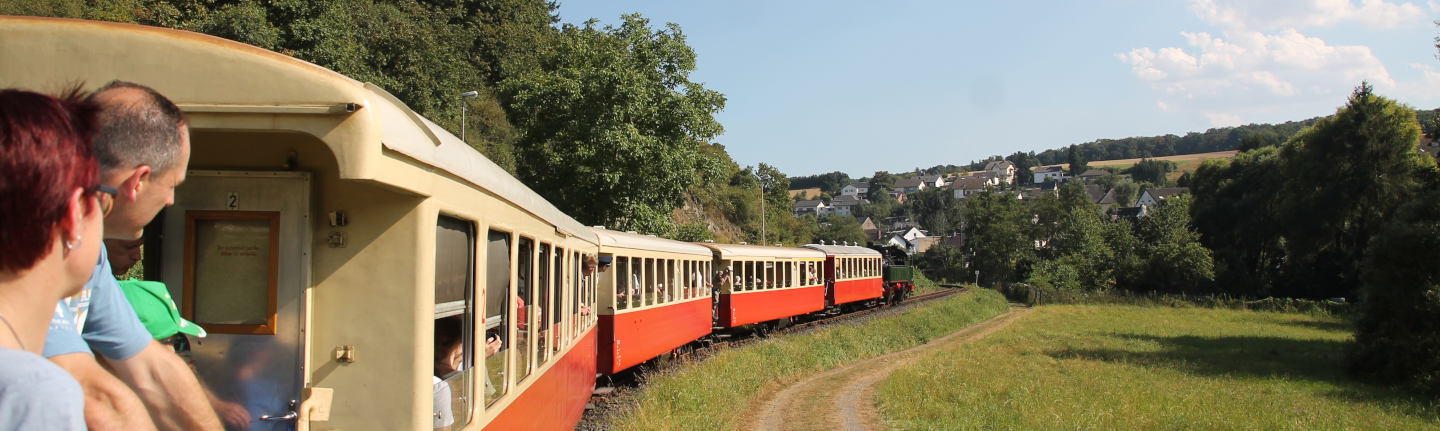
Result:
pixel 234 415
pixel 492 345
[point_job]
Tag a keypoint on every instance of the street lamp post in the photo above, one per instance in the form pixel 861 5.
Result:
pixel 463 96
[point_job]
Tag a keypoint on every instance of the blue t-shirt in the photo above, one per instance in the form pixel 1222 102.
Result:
pixel 98 318
pixel 36 394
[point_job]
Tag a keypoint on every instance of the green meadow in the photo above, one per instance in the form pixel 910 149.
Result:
pixel 1103 367
pixel 715 393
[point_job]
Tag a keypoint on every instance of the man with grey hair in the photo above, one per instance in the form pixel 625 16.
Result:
pixel 143 147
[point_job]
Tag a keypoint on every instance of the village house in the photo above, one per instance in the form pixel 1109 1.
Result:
pixel 933 181
pixel 909 185
pixel 855 189
pixel 1003 170
pixel 872 232
pixel 1152 197
pixel 1090 175
pixel 969 186
pixel 846 205
pixel 1048 173
pixel 812 207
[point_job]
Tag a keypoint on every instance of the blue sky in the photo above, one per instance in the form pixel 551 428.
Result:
pixel 861 86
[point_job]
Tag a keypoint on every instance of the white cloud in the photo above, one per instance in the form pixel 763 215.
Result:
pixel 1296 14
pixel 1223 119
pixel 1245 72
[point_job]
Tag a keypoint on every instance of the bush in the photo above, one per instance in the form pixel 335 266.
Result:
pixel 1398 332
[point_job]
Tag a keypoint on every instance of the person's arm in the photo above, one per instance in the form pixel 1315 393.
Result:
pixel 109 404
pixel 168 388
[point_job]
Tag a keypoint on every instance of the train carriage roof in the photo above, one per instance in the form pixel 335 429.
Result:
pixel 610 238
pixel 732 251
pixel 222 84
pixel 843 250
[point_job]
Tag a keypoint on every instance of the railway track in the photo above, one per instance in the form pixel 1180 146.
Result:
pixel 631 379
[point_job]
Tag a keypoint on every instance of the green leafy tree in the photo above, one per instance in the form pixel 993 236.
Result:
pixel 1344 176
pixel 838 228
pixel 612 126
pixel 880 185
pixel 944 262
pixel 936 210
pixel 1176 262
pixel 1397 336
pixel 1235 212
pixel 1077 162
pixel 1152 171
pixel 998 237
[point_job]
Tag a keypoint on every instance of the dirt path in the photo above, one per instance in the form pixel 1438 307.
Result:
pixel 843 398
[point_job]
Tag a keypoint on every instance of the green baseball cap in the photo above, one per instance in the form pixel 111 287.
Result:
pixel 156 310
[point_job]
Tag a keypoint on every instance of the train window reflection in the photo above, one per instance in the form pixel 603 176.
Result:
pixel 525 318
pixel 454 321
pixel 622 282
pixel 557 299
pixel 543 291
pixel 497 304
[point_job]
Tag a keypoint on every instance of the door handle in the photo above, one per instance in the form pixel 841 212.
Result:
pixel 287 417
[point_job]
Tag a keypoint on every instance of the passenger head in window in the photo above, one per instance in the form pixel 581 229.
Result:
pixel 449 346
pixel 592 264
pixel 51 207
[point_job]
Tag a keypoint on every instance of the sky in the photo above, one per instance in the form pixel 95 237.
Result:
pixel 862 86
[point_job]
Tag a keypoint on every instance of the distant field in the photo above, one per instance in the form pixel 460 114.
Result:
pixel 1131 367
pixel 1186 162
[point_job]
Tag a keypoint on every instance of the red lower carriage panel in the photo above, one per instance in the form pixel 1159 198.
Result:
pixel 631 337
pixel 744 308
pixel 857 290
pixel 557 399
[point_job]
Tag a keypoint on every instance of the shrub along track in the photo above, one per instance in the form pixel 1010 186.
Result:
pixel 634 377
pixel 843 398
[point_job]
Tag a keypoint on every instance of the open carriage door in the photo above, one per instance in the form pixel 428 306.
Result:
pixel 236 257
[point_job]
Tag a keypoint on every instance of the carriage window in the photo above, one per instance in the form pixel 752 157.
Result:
pixel 622 282
pixel 497 305
pixel 577 291
pixel 557 299
pixel 454 320
pixel 648 282
pixel 544 289
pixel 525 318
pixel 672 286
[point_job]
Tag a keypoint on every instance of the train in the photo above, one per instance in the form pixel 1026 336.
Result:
pixel 326 231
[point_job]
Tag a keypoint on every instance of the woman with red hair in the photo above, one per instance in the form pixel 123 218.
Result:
pixel 51 211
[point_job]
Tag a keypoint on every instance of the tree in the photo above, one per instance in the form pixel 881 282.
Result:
pixel 997 237
pixel 1235 212
pixel 880 185
pixel 1025 164
pixel 1370 143
pixel 1152 171
pixel 611 125
pixel 1397 337
pixel 1077 162
pixel 944 262
pixel 838 228
pixel 936 210
pixel 1176 262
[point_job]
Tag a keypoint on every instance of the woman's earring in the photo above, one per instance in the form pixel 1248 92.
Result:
pixel 72 246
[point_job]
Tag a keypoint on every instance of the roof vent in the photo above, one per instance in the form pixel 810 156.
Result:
pixel 632 232
pixel 742 243
pixel 709 241
pixel 598 226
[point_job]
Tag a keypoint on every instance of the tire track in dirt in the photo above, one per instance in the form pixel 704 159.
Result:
pixel 843 398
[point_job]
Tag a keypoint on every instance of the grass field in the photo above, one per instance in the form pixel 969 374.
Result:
pixel 1133 367
pixel 1184 163
pixel 715 393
